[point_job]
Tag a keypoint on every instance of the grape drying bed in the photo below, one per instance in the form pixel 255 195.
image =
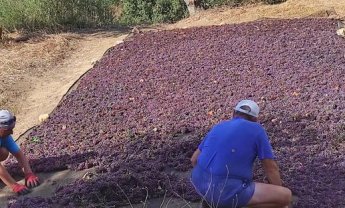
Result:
pixel 145 106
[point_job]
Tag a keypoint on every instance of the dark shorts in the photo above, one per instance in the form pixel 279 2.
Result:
pixel 220 191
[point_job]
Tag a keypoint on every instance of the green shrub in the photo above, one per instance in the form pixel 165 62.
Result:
pixel 152 11
pixel 169 11
pixel 137 11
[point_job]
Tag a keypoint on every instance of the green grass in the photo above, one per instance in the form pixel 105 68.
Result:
pixel 16 14
pixel 53 14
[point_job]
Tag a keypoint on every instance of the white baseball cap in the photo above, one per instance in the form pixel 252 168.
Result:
pixel 248 107
pixel 7 119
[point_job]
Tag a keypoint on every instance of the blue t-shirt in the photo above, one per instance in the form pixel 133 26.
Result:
pixel 9 144
pixel 231 147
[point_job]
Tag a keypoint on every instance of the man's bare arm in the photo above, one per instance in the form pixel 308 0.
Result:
pixel 195 156
pixel 272 171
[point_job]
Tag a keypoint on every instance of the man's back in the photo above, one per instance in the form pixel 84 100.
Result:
pixel 231 147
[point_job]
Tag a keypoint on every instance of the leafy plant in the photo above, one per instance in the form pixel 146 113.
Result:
pixel 168 11
pixel 152 11
pixel 35 139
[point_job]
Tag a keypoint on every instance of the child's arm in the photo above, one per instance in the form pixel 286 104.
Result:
pixel 23 162
pixel 5 176
pixel 9 181
pixel 30 179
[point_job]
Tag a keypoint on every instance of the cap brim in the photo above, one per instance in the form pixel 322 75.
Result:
pixel 8 127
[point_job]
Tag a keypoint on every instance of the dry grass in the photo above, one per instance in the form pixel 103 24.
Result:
pixel 33 58
pixel 288 9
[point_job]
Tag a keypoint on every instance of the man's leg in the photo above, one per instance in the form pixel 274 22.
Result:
pixel 3 154
pixel 267 195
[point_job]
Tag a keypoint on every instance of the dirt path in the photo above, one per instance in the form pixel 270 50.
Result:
pixel 39 93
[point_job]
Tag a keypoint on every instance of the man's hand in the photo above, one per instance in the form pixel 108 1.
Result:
pixel 20 189
pixel 31 180
pixel 272 171
pixel 195 156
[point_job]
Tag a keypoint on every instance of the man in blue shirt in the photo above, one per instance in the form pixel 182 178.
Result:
pixel 223 164
pixel 8 145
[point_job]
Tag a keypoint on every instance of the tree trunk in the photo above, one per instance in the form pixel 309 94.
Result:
pixel 191 6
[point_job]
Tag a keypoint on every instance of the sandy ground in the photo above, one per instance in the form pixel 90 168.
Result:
pixel 287 10
pixel 35 75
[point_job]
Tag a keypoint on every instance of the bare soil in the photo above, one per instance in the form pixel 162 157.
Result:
pixel 35 75
pixel 287 10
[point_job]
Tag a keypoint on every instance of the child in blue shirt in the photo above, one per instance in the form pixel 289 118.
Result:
pixel 8 145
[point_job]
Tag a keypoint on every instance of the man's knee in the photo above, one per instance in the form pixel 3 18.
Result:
pixel 3 154
pixel 286 197
pixel 270 194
